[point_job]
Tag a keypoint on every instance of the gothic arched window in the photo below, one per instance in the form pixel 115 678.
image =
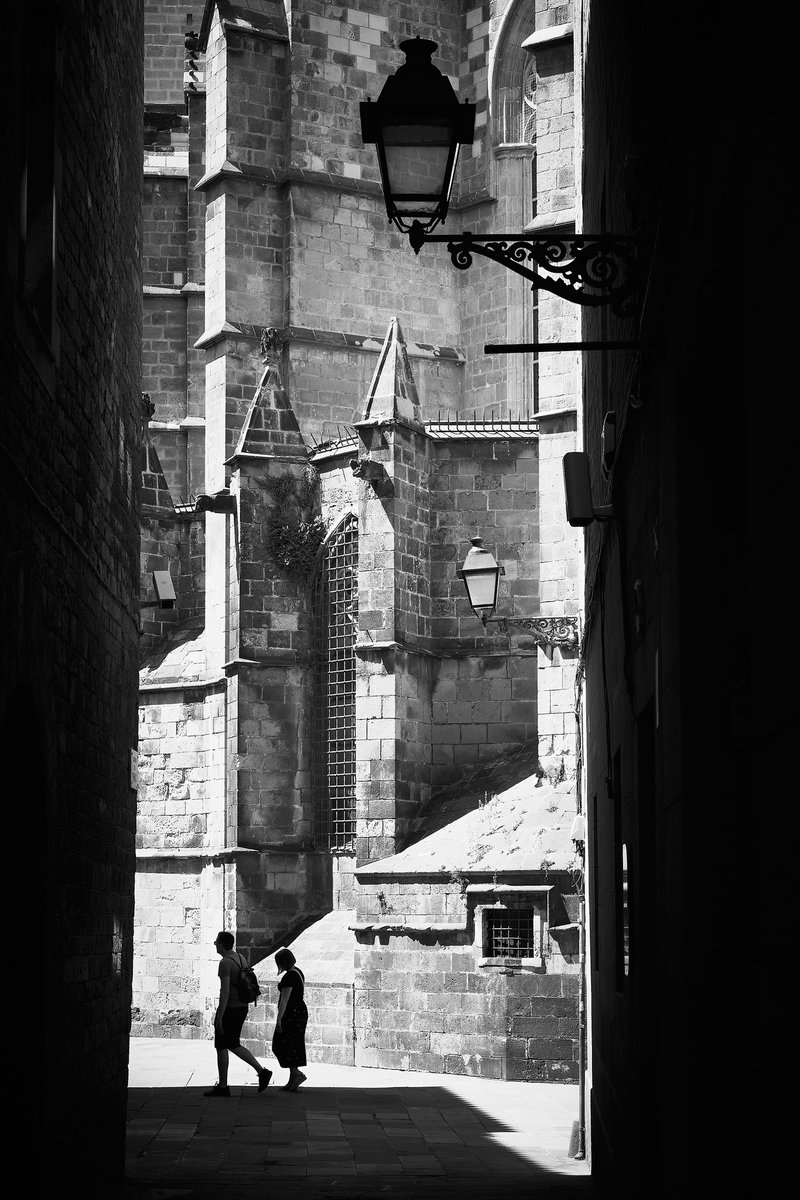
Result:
pixel 334 759
pixel 513 79
pixel 515 105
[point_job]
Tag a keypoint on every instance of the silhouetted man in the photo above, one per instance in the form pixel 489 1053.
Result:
pixel 230 1017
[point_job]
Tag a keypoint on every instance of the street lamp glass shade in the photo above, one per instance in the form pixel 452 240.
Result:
pixel 481 576
pixel 420 161
pixel 417 126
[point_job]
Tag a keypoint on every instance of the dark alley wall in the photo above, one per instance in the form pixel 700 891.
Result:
pixel 677 717
pixel 70 438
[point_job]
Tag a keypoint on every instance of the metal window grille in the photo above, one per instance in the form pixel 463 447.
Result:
pixel 510 933
pixel 516 109
pixel 334 764
pixel 528 113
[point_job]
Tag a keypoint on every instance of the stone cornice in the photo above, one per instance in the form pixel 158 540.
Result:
pixel 222 852
pixel 261 458
pixel 549 36
pixel 183 685
pixel 269 659
pixel 325 338
pixel 232 170
pixel 558 222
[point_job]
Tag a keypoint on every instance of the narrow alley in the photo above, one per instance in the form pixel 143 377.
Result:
pixel 348 1132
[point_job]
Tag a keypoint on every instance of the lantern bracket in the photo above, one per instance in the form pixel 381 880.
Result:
pixel 586 269
pixel 548 631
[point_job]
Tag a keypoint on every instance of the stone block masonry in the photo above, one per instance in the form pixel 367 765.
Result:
pixel 164 28
pixel 70 288
pixel 330 1035
pixel 181 782
pixel 282 228
pixel 422 1003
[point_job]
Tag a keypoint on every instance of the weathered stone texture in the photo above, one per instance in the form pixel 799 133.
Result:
pixel 165 26
pixel 70 302
pixel 295 240
pixel 181 799
pixel 423 1001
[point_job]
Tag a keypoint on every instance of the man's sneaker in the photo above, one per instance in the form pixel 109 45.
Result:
pixel 218 1090
pixel 264 1076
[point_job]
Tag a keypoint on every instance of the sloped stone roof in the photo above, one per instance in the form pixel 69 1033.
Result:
pixel 181 659
pixel 525 827
pixel 270 426
pixel 261 16
pixel 392 393
pixel 325 951
pixel 155 491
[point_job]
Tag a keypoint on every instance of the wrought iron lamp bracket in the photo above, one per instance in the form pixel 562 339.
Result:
pixel 584 269
pixel 549 631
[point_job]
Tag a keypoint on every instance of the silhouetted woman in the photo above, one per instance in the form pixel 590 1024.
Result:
pixel 289 1039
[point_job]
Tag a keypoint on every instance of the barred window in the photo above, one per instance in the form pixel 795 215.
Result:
pixel 510 933
pixel 334 760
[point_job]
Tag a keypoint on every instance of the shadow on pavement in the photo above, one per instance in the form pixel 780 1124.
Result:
pixel 358 1143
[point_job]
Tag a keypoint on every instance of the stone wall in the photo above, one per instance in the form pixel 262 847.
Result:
pixel 330 1034
pixel 165 24
pixel 181 778
pixel 424 1002
pixel 272 209
pixel 70 440
pixel 169 997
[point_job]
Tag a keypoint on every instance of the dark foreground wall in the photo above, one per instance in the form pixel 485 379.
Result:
pixel 70 434
pixel 687 696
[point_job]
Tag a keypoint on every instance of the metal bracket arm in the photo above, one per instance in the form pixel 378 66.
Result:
pixel 585 269
pixel 549 631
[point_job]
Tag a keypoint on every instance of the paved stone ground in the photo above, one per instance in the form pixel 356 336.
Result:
pixel 355 1133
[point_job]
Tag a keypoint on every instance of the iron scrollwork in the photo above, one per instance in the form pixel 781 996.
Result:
pixel 549 631
pixel 584 269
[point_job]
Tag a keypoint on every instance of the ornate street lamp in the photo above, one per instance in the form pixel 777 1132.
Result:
pixel 481 574
pixel 417 126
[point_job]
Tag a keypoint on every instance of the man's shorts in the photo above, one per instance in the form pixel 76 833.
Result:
pixel 232 1021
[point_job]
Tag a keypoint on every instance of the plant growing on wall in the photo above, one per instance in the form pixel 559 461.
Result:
pixel 461 879
pixel 294 534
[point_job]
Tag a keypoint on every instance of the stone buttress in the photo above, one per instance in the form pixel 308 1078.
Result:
pixel 393 677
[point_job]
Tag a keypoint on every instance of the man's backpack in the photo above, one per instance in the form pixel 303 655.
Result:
pixel 249 991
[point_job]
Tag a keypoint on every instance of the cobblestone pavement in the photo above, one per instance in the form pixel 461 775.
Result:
pixel 350 1132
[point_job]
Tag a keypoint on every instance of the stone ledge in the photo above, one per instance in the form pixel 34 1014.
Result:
pixel 235 171
pixel 183 685
pixel 327 338
pixel 558 222
pixel 409 927
pixel 194 852
pixel 548 37
pixel 508 887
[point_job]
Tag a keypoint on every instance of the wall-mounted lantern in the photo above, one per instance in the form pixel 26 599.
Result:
pixel 417 126
pixel 481 574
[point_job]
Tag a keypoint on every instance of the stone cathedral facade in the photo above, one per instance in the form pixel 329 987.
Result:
pixel 334 753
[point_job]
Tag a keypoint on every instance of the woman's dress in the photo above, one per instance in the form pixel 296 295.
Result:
pixel 289 1046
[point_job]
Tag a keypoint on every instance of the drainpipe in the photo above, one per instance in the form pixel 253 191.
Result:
pixel 581 1149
